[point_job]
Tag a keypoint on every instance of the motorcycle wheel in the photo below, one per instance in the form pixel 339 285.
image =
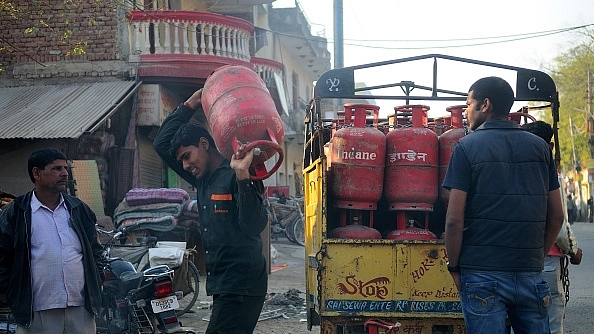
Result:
pixel 297 231
pixel 105 316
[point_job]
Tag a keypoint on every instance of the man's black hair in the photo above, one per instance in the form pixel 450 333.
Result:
pixel 497 90
pixel 189 134
pixel 43 157
pixel 541 129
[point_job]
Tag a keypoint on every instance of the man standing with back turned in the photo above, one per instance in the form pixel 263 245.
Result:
pixel 503 216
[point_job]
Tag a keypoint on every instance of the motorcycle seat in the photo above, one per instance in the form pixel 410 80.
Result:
pixel 130 280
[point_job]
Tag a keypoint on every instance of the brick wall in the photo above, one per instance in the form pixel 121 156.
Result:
pixel 95 21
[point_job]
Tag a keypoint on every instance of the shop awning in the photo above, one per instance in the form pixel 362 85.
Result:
pixel 60 111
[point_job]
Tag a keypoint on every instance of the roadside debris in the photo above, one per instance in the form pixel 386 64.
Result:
pixel 291 297
pixel 285 305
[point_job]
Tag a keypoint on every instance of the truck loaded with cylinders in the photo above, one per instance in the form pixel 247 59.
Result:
pixel 374 206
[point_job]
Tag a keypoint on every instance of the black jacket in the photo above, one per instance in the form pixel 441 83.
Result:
pixel 15 256
pixel 232 216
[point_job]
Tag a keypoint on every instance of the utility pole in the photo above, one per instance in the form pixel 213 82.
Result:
pixel 590 164
pixel 338 41
pixel 590 118
pixel 338 34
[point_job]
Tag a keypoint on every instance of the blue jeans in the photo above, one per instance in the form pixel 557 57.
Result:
pixel 551 274
pixel 488 297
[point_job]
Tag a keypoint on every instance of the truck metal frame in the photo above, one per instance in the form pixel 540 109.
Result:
pixel 385 286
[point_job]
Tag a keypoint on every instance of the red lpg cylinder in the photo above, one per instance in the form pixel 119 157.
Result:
pixel 439 127
pixel 410 233
pixel 447 142
pixel 410 181
pixel 358 159
pixel 343 119
pixel 521 117
pixel 354 230
pixel 399 119
pixel 238 107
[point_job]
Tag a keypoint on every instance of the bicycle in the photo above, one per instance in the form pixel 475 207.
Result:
pixel 138 256
pixel 286 217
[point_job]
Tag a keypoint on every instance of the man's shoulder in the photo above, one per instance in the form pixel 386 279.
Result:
pixel 75 202
pixel 21 202
pixel 72 199
pixel 11 211
pixel 474 137
pixel 531 141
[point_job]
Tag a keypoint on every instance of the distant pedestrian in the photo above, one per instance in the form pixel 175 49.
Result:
pixel 590 209
pixel 571 209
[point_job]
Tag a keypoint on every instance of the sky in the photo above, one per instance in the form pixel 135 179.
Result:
pixel 523 33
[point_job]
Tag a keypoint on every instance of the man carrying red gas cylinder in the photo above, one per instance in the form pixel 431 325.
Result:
pixel 232 216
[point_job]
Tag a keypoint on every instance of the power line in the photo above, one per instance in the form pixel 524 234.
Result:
pixel 490 40
pixel 455 46
pixel 493 39
pixel 503 39
pixel 535 34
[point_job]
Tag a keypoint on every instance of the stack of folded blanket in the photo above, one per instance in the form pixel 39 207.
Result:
pixel 156 209
pixel 189 216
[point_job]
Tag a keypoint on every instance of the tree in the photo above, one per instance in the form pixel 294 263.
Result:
pixel 570 72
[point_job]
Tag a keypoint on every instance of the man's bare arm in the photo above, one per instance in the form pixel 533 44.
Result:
pixel 554 219
pixel 454 227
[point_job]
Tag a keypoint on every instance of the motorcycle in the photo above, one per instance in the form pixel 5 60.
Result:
pixel 136 302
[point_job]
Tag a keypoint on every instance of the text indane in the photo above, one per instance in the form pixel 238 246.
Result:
pixel 357 155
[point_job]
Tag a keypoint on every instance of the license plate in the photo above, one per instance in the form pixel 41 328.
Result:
pixel 164 304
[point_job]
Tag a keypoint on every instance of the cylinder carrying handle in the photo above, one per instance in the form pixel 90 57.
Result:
pixel 258 162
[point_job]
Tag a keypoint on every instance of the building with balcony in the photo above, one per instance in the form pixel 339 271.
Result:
pixel 104 104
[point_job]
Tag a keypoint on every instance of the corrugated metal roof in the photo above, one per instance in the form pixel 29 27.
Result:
pixel 58 111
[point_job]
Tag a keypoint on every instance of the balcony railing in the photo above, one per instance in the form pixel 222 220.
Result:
pixel 167 32
pixel 266 67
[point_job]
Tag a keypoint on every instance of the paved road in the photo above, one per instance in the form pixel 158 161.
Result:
pixel 292 276
pixel 579 314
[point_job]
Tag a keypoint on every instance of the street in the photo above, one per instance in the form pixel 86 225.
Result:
pixel 286 288
pixel 579 317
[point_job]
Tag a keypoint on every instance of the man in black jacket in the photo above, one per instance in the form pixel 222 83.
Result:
pixel 48 253
pixel 232 216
